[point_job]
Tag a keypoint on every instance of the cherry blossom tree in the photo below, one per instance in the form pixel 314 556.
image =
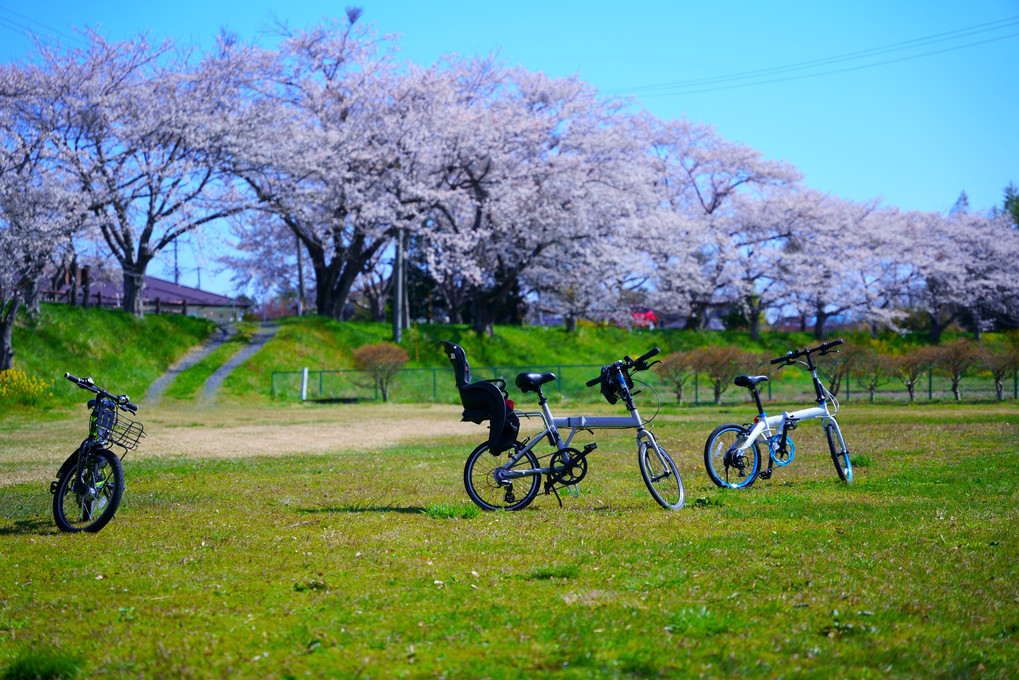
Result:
pixel 845 257
pixel 37 209
pixel 966 268
pixel 319 148
pixel 140 128
pixel 526 164
pixel 698 175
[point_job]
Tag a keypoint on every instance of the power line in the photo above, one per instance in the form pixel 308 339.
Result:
pixel 18 25
pixel 731 81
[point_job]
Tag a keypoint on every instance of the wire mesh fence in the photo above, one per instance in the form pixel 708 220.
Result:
pixel 437 385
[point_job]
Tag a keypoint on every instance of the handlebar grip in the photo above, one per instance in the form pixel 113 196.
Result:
pixel 593 382
pixel 648 355
pixel 72 378
pixel 133 408
pixel 779 360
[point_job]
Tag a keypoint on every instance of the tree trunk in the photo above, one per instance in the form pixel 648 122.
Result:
pixel 484 319
pixel 754 317
pixel 134 281
pixel 571 323
pixel 938 325
pixel 32 291
pixel 86 285
pixel 72 290
pixel 6 334
pixel 819 322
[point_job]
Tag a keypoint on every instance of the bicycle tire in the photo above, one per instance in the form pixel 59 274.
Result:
pixel 89 507
pixel 659 472
pixel 839 453
pixel 485 489
pixel 717 457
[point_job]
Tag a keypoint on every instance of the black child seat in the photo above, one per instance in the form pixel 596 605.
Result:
pixel 484 400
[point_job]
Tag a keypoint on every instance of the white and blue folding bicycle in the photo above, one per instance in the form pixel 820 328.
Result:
pixel 732 455
pixel 495 482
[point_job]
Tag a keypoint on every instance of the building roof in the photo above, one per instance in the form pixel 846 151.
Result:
pixel 167 291
pixel 112 286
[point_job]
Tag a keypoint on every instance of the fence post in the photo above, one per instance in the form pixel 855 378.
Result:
pixel 272 383
pixel 769 390
pixel 321 386
pixel 1015 384
pixel 304 384
pixel 696 379
pixel 849 379
pixel 930 384
pixel 435 385
pixel 559 378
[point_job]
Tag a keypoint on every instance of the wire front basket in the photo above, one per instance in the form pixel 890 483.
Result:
pixel 113 428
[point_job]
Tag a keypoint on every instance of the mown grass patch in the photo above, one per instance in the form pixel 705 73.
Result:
pixel 310 563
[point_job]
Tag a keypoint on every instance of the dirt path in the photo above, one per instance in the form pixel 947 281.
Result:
pixel 196 354
pixel 265 331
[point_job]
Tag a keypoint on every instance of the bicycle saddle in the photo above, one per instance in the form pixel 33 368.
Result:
pixel 531 382
pixel 749 381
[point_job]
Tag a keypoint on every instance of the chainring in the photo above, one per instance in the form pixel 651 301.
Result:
pixel 569 466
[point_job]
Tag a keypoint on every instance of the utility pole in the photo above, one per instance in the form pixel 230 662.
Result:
pixel 398 289
pixel 300 277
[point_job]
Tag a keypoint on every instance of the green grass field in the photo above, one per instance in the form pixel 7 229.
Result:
pixel 337 541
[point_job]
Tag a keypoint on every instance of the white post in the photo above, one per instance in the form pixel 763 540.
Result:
pixel 304 384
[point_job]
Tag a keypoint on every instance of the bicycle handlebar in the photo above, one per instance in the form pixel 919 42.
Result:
pixel 120 400
pixel 626 363
pixel 823 348
pixel 647 355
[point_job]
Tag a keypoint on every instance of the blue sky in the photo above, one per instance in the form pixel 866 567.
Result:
pixel 932 114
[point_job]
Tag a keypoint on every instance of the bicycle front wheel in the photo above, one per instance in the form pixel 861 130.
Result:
pixel 88 495
pixel 725 466
pixel 661 476
pixel 487 485
pixel 839 452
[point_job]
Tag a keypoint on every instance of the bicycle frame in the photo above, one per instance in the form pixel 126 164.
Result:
pixel 575 424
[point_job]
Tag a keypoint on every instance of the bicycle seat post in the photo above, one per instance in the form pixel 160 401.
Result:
pixel 751 382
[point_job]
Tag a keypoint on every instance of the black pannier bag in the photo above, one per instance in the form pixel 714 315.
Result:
pixel 484 400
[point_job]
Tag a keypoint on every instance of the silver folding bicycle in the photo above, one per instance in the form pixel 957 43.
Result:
pixel 495 483
pixel 732 456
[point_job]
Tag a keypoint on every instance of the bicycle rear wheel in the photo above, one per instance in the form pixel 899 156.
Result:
pixel 486 484
pixel 839 452
pixel 661 476
pixel 725 467
pixel 88 500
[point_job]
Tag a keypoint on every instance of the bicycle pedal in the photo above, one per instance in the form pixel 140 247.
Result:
pixel 53 487
pixel 589 448
pixel 764 474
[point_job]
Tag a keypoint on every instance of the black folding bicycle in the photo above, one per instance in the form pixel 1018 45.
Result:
pixel 90 483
